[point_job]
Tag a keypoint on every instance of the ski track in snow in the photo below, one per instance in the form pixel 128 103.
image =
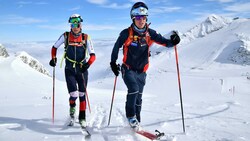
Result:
pixel 119 132
pixel 100 117
pixel 120 116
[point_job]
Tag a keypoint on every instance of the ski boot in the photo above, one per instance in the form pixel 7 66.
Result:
pixel 82 119
pixel 72 111
pixel 72 116
pixel 133 122
pixel 83 123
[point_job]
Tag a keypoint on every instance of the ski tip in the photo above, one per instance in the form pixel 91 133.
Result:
pixel 85 130
pixel 159 134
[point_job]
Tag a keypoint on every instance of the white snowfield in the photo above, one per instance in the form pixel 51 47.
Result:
pixel 214 61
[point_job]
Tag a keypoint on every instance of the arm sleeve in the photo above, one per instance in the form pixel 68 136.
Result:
pixel 91 51
pixel 118 44
pixel 59 42
pixel 53 52
pixel 159 39
pixel 91 59
pixel 90 46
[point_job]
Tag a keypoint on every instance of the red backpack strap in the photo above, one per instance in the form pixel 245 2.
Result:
pixel 130 37
pixel 148 39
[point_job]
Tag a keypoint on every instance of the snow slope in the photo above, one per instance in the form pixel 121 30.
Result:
pixel 214 72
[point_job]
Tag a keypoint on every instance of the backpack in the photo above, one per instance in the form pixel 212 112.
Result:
pixel 66 39
pixel 66 43
pixel 132 37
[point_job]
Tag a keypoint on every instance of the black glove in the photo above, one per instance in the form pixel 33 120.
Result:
pixel 175 38
pixel 115 68
pixel 85 67
pixel 52 62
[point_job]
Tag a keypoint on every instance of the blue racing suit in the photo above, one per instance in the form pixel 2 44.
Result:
pixel 136 44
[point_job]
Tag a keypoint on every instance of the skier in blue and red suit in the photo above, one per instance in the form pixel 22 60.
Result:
pixel 136 41
pixel 78 47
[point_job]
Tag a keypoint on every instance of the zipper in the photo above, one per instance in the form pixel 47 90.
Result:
pixel 75 58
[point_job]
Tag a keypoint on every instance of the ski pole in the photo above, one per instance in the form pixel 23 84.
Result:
pixel 53 97
pixel 179 83
pixel 112 100
pixel 87 97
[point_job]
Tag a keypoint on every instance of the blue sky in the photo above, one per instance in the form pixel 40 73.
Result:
pixel 46 20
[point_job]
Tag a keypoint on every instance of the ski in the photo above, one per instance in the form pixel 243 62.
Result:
pixel 149 135
pixel 85 130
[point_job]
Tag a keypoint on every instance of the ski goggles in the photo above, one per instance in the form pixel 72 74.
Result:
pixel 75 25
pixel 75 20
pixel 139 11
pixel 139 17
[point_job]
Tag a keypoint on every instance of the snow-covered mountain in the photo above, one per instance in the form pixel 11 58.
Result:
pixel 32 62
pixel 211 24
pixel 242 54
pixel 3 51
pixel 214 71
pixel 216 40
pixel 25 58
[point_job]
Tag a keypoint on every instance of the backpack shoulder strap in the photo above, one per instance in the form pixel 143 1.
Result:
pixel 130 37
pixel 148 39
pixel 66 39
pixel 84 36
pixel 84 39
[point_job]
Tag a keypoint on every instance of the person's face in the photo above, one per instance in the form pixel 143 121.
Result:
pixel 140 21
pixel 76 28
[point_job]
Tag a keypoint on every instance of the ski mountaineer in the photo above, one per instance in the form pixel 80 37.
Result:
pixel 78 47
pixel 136 41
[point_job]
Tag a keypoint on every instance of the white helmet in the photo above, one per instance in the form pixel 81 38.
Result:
pixel 75 18
pixel 139 9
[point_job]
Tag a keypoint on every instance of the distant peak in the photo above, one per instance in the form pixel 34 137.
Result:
pixel 3 51
pixel 213 19
pixel 211 24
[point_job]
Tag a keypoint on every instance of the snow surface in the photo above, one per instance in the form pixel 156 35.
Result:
pixel 215 81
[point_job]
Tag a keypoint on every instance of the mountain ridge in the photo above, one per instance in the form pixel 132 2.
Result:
pixel 211 24
pixel 3 51
pixel 26 59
